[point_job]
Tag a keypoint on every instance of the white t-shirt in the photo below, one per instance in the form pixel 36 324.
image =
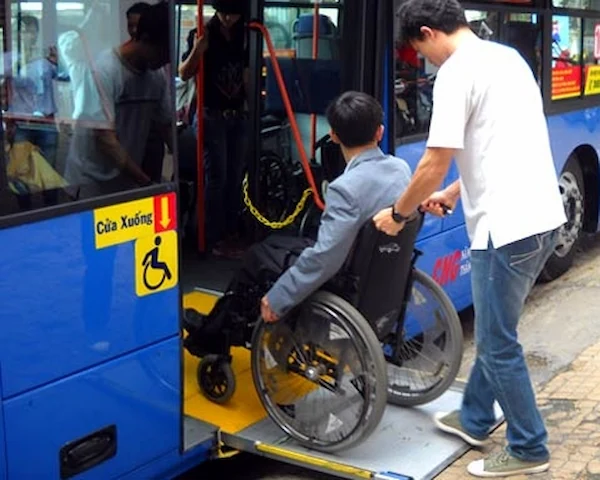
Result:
pixel 488 106
pixel 129 101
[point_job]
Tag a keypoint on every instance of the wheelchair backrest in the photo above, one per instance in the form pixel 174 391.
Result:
pixel 381 265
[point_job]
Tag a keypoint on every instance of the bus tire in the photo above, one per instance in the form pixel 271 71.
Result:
pixel 572 189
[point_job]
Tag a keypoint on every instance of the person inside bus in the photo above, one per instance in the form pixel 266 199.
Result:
pixel 32 91
pixel 226 60
pixel 511 221
pixel 371 181
pixel 152 164
pixel 121 96
pixel 133 15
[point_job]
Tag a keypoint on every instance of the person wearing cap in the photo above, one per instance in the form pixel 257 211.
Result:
pixel 224 48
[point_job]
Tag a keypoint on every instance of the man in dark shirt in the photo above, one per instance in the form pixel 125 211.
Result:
pixel 224 47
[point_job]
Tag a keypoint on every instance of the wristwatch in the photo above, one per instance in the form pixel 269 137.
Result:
pixel 398 217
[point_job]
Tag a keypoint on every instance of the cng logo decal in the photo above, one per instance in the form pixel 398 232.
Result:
pixel 448 268
pixel 156 266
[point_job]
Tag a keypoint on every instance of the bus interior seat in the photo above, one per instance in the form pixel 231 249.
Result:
pixel 311 84
pixel 302 36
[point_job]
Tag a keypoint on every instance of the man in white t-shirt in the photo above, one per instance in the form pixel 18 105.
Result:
pixel 120 95
pixel 488 115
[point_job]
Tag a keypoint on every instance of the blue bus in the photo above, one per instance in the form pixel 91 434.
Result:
pixel 94 380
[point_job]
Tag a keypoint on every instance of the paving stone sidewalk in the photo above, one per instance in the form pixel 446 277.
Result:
pixel 570 404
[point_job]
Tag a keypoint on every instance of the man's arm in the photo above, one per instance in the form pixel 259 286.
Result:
pixel 451 111
pixel 189 67
pixel 110 146
pixel 338 230
pixel 428 177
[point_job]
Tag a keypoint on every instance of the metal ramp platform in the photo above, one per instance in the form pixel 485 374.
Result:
pixel 405 445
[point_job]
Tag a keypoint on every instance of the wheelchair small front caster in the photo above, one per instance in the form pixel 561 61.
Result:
pixel 216 379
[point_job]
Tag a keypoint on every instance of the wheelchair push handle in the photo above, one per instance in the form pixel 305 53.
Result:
pixel 445 209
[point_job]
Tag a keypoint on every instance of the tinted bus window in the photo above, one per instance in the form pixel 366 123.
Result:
pixel 86 107
pixel 415 76
pixel 566 57
pixel 580 4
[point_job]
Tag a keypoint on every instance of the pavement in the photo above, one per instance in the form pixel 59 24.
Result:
pixel 563 354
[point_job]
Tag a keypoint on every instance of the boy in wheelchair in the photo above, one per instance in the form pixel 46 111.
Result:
pixel 280 272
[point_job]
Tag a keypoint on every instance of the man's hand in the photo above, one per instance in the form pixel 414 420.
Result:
pixel 436 202
pixel 266 312
pixel 201 44
pixel 386 224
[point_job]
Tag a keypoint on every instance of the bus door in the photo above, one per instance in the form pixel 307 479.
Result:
pixel 405 445
pixel 90 379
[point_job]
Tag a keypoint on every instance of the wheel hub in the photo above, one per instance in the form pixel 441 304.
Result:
pixel 574 209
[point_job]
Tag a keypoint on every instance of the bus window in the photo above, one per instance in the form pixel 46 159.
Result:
pixel 413 87
pixel 523 32
pixel 580 4
pixel 591 55
pixel 566 57
pixel 85 113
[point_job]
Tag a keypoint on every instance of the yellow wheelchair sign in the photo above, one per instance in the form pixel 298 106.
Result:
pixel 156 265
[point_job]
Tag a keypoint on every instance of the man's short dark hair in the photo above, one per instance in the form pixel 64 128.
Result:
pixel 30 21
pixel 355 118
pixel 154 25
pixel 446 16
pixel 138 8
pixel 232 7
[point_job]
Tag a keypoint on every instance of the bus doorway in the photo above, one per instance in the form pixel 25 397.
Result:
pixel 273 192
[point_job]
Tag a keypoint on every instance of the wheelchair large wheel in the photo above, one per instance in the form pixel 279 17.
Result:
pixel 424 361
pixel 320 373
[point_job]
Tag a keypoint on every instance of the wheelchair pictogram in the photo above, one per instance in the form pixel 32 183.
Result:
pixel 156 263
pixel 151 260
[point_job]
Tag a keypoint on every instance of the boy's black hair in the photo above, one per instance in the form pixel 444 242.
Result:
pixel 446 16
pixel 154 25
pixel 138 8
pixel 355 118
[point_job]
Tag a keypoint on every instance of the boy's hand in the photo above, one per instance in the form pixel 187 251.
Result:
pixel 266 312
pixel 386 224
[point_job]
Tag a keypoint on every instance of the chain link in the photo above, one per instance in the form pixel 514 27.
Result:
pixel 261 218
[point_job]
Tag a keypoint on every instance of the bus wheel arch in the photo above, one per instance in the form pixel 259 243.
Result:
pixel 579 188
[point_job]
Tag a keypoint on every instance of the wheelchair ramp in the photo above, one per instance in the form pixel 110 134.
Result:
pixel 406 445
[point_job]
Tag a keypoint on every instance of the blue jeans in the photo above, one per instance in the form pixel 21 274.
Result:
pixel 501 280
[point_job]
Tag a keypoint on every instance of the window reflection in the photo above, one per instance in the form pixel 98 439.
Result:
pixel 86 107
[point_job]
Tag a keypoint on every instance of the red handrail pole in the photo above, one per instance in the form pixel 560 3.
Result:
pixel 315 55
pixel 201 214
pixel 290 113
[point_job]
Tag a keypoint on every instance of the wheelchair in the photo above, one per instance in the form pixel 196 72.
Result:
pixel 380 331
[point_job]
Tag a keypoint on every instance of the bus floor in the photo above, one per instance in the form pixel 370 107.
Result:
pixel 244 408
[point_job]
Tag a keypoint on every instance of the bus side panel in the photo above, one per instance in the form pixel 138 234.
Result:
pixel 446 258
pixel 137 394
pixel 174 463
pixel 67 305
pixel 570 130
pixel 3 472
